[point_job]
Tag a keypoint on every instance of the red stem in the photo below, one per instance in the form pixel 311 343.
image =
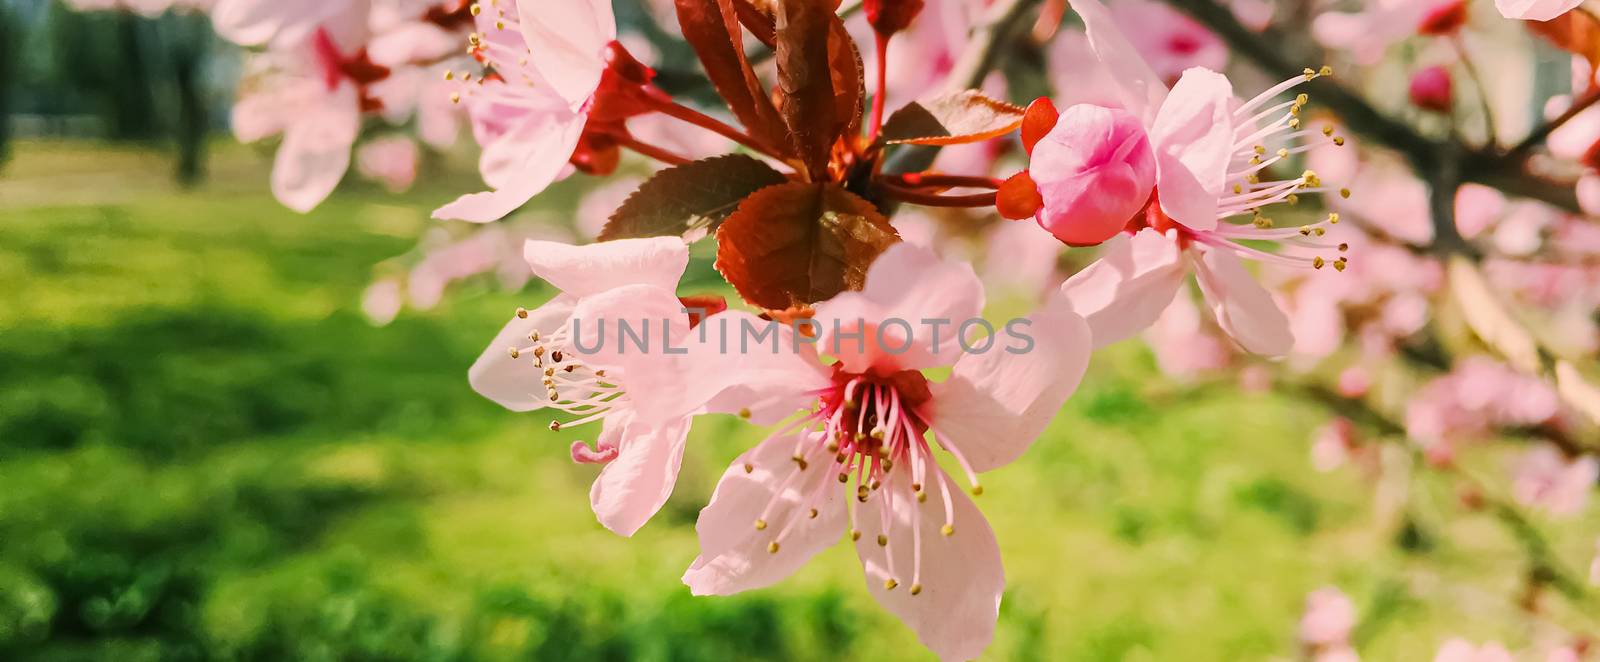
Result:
pixel 973 201
pixel 661 154
pixel 920 179
pixel 679 111
pixel 883 84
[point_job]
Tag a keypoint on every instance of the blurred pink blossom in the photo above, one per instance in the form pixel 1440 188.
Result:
pixel 1548 480
pixel 391 161
pixel 1461 650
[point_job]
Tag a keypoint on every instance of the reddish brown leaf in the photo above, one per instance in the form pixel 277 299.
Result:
pixel 805 80
pixel 798 243
pixel 1576 32
pixel 691 199
pixel 890 16
pixel 849 80
pixel 758 19
pixel 952 119
pixel 712 28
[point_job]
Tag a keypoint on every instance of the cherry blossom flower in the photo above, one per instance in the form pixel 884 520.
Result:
pixel 538 361
pixel 1183 347
pixel 1550 481
pixel 1461 650
pixel 928 554
pixel 1209 153
pixel 313 93
pixel 1168 39
pixel 1328 620
pixel 1367 34
pixel 549 65
pixel 1535 10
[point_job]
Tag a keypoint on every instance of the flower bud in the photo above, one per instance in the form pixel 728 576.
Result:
pixel 1094 170
pixel 1431 89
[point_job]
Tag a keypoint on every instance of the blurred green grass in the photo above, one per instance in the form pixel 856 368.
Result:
pixel 207 453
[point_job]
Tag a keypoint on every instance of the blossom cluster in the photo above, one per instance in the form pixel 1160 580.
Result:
pixel 1311 252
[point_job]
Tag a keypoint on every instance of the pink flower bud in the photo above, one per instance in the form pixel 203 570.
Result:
pixel 1431 89
pixel 1094 170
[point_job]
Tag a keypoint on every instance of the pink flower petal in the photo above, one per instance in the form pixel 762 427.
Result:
pixel 961 575
pixel 316 152
pixel 1193 139
pixel 906 284
pixel 634 486
pixel 513 384
pixel 769 378
pixel 996 403
pixel 1142 90
pixel 1243 308
pixel 639 335
pixel 568 40
pixel 1125 291
pixel 766 484
pixel 1535 10
pixel 537 151
pixel 594 268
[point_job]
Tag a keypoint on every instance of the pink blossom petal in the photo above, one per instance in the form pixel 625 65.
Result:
pixel 1193 139
pixel 568 40
pixel 961 575
pixel 1243 308
pixel 996 403
pixel 906 284
pixel 316 152
pixel 766 484
pixel 1125 291
pixel 537 151
pixel 1142 89
pixel 1535 10
pixel 634 486
pixel 594 268
pixel 640 335
pixel 767 377
pixel 517 385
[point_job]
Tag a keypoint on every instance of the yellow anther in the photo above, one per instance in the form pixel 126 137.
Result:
pixel 1302 99
pixel 455 97
pixel 761 525
pixel 1261 149
pixel 1327 130
pixel 555 426
pixel 522 313
pixel 749 467
pixel 515 354
pixel 922 497
pixel 1333 218
pixel 812 514
pixel 1326 71
pixel 889 584
pixel 883 540
pixel 855 534
pixel 1283 152
pixel 1338 141
pixel 1316 262
pixel 744 413
pixel 977 490
pixel 449 75
pixel 1344 193
pixel 1294 122
pixel 916 588
pixel 772 547
pixel 476 9
pixel 948 529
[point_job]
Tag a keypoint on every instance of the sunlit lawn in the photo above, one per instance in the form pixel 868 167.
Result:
pixel 206 452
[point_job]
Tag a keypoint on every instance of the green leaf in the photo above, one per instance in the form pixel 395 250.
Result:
pixel 695 196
